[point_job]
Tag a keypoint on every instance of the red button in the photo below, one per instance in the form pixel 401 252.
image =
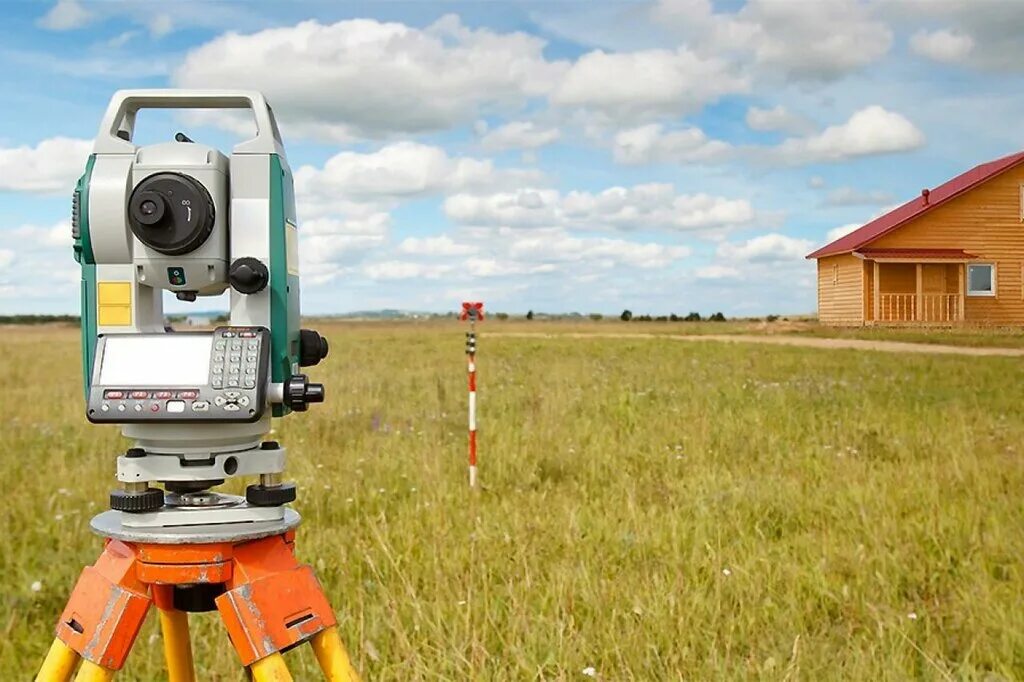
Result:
pixel 247 335
pixel 114 395
pixel 140 395
pixel 154 408
pixel 188 395
pixel 162 395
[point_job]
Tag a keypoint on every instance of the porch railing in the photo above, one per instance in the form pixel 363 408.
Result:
pixel 933 308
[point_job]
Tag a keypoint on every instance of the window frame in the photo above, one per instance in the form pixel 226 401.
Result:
pixel 835 274
pixel 980 294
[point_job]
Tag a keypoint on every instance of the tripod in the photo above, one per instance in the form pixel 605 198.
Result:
pixel 268 601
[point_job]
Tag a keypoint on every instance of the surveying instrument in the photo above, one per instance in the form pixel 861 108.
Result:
pixel 183 217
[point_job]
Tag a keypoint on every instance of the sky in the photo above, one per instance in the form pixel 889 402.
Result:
pixel 656 155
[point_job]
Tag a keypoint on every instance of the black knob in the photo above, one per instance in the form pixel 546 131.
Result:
pixel 248 275
pixel 312 348
pixel 299 393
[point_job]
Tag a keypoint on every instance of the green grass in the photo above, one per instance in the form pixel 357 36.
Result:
pixel 658 511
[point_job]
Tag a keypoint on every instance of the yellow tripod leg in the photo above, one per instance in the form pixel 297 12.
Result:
pixel 333 659
pixel 59 664
pixel 90 672
pixel 177 647
pixel 270 669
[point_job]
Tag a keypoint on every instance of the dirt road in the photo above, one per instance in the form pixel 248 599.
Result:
pixel 802 341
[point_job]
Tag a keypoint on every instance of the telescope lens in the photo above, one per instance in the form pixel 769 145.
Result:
pixel 171 213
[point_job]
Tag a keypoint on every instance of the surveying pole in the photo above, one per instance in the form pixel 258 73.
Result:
pixel 472 311
pixel 183 217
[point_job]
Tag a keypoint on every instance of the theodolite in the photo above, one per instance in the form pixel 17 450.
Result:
pixel 184 218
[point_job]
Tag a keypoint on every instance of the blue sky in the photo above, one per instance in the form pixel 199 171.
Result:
pixel 663 156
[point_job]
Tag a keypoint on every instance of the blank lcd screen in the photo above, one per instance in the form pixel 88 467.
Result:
pixel 156 361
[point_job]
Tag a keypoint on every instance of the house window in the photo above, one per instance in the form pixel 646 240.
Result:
pixel 981 279
pixel 835 274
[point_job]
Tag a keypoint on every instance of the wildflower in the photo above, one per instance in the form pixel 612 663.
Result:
pixel 912 615
pixel 37 586
pixel 726 572
pixel 590 671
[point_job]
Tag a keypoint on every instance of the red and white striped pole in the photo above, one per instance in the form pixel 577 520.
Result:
pixel 472 311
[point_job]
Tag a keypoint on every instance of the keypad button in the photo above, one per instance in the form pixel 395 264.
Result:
pixel 188 395
pixel 244 401
pixel 233 383
pixel 228 335
pixel 250 370
pixel 236 357
pixel 231 407
pixel 233 370
pixel 250 358
pixel 219 401
pixel 219 345
pixel 218 382
pixel 218 370
pixel 218 357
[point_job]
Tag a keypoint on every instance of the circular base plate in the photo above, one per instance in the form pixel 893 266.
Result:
pixel 108 524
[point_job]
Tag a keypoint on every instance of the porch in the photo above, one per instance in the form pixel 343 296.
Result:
pixel 914 287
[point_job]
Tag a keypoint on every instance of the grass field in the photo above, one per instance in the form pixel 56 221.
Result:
pixel 656 511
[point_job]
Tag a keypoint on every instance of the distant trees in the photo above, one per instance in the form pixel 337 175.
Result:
pixel 717 317
pixel 692 317
pixel 501 316
pixel 626 315
pixel 596 316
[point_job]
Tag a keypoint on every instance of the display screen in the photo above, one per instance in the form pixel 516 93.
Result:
pixel 156 361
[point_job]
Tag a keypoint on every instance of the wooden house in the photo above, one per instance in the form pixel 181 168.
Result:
pixel 954 254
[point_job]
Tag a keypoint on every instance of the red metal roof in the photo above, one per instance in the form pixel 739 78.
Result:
pixel 917 206
pixel 922 254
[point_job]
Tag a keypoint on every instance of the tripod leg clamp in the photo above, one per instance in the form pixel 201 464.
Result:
pixel 273 602
pixel 106 610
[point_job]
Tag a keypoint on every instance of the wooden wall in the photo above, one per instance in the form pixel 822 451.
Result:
pixel 986 222
pixel 840 302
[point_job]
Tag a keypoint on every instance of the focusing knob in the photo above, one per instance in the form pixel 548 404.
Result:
pixel 171 213
pixel 248 275
pixel 299 393
pixel 312 348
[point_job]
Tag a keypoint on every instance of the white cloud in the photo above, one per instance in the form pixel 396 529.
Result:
pixel 850 196
pixel 441 245
pixel 651 143
pixel 816 182
pixel 397 171
pixel 639 85
pixel 328 246
pixel 558 246
pixel 778 118
pixel 642 207
pixel 363 78
pixel 52 166
pixel 943 45
pixel 160 25
pixel 816 41
pixel 397 270
pixel 519 135
pixel 841 231
pixel 766 248
pixel 34 249
pixel 716 272
pixel 6 258
pixel 870 131
pixel 65 16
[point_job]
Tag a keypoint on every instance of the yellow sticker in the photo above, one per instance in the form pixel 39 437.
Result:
pixel 114 301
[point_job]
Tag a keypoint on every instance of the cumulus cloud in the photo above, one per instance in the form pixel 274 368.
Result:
pixel 840 231
pixel 519 135
pixel 364 78
pixel 401 170
pixel 870 131
pixel 32 249
pixel 327 246
pixel 441 245
pixel 815 41
pixel 851 196
pixel 654 206
pixel 778 118
pixel 51 167
pixel 942 46
pixel 634 85
pixel 766 248
pixel 651 143
pixel 65 16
